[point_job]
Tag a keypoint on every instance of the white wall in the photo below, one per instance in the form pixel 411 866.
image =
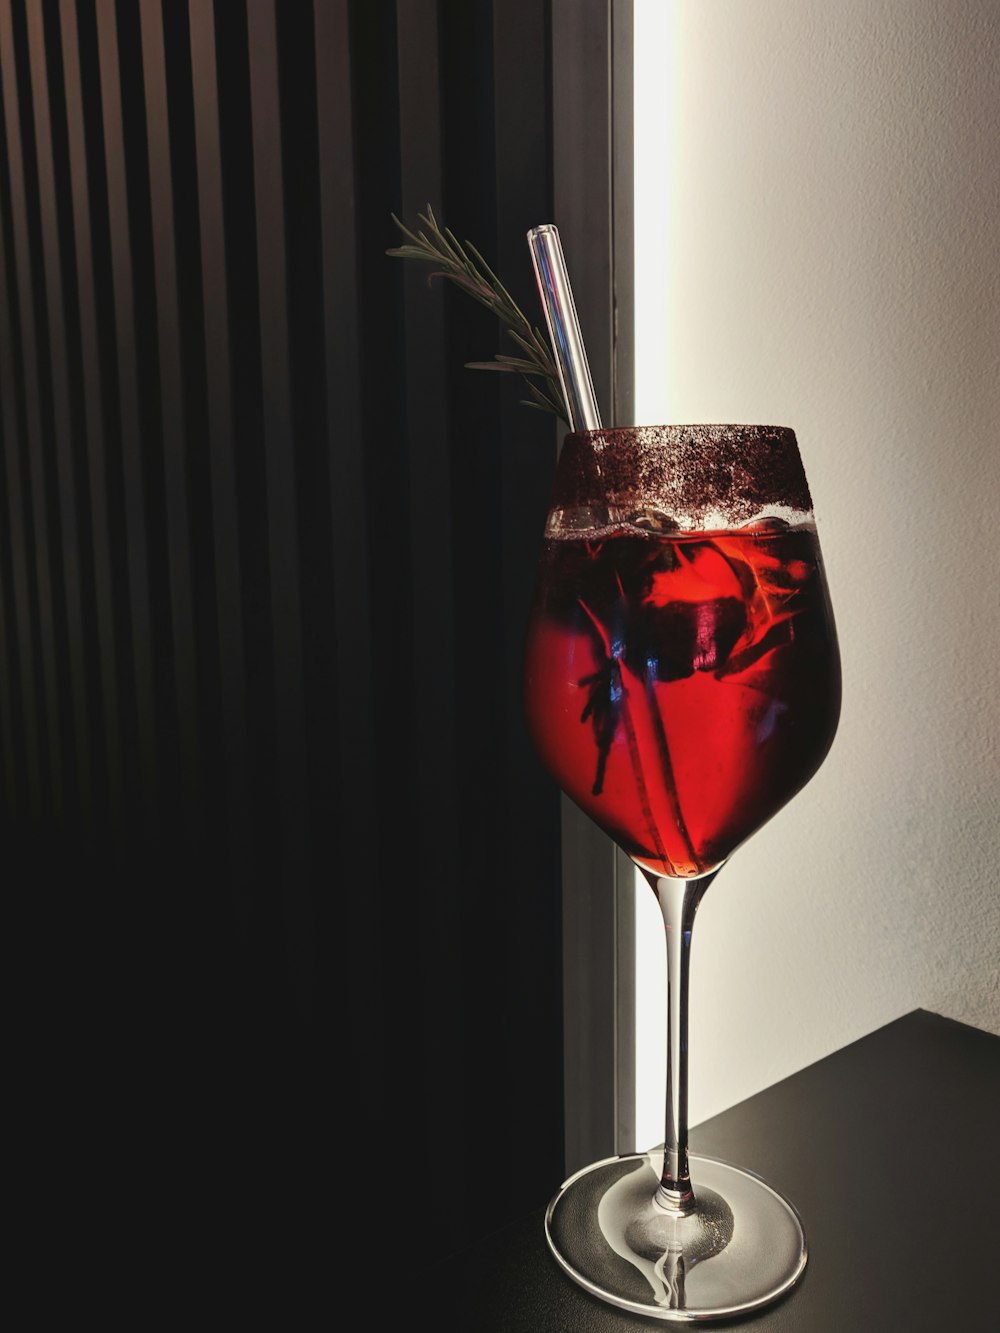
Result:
pixel 818 245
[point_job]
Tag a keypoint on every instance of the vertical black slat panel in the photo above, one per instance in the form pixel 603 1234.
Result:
pixel 469 209
pixel 29 376
pixel 308 417
pixel 221 444
pixel 381 920
pixel 88 341
pixel 68 361
pixel 9 689
pixel 72 556
pixel 29 800
pixel 175 480
pixel 437 775
pixel 282 535
pixel 11 735
pixel 354 980
pixel 266 954
pixel 507 890
pixel 210 823
pixel 12 711
pixel 531 916
pixel 129 415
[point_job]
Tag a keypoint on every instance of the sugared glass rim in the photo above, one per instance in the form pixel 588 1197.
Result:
pixel 696 477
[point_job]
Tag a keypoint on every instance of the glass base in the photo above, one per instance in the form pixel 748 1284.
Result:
pixel 743 1246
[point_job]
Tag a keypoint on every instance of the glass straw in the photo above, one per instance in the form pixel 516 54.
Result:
pixel 564 328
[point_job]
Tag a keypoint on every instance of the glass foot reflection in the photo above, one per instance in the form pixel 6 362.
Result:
pixel 742 1247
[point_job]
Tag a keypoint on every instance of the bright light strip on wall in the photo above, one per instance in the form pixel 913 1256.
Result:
pixel 653 130
pixel 654 24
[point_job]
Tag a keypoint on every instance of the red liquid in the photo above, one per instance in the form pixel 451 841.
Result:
pixel 680 688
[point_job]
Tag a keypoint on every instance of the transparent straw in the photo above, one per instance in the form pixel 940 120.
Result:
pixel 564 328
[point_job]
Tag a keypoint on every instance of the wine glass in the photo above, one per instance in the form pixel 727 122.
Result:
pixel 681 684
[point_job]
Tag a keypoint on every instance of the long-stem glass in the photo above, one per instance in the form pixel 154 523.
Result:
pixel 682 683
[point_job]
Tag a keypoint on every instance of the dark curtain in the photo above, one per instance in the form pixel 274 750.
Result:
pixel 287 865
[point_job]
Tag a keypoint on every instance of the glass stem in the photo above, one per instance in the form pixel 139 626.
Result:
pixel 678 899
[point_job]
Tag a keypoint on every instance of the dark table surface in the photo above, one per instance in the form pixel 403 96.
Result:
pixel 890 1150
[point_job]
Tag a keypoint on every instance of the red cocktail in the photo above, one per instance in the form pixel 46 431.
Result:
pixel 681 683
pixel 682 687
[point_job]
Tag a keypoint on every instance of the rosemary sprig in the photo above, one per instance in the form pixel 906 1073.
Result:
pixel 467 269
